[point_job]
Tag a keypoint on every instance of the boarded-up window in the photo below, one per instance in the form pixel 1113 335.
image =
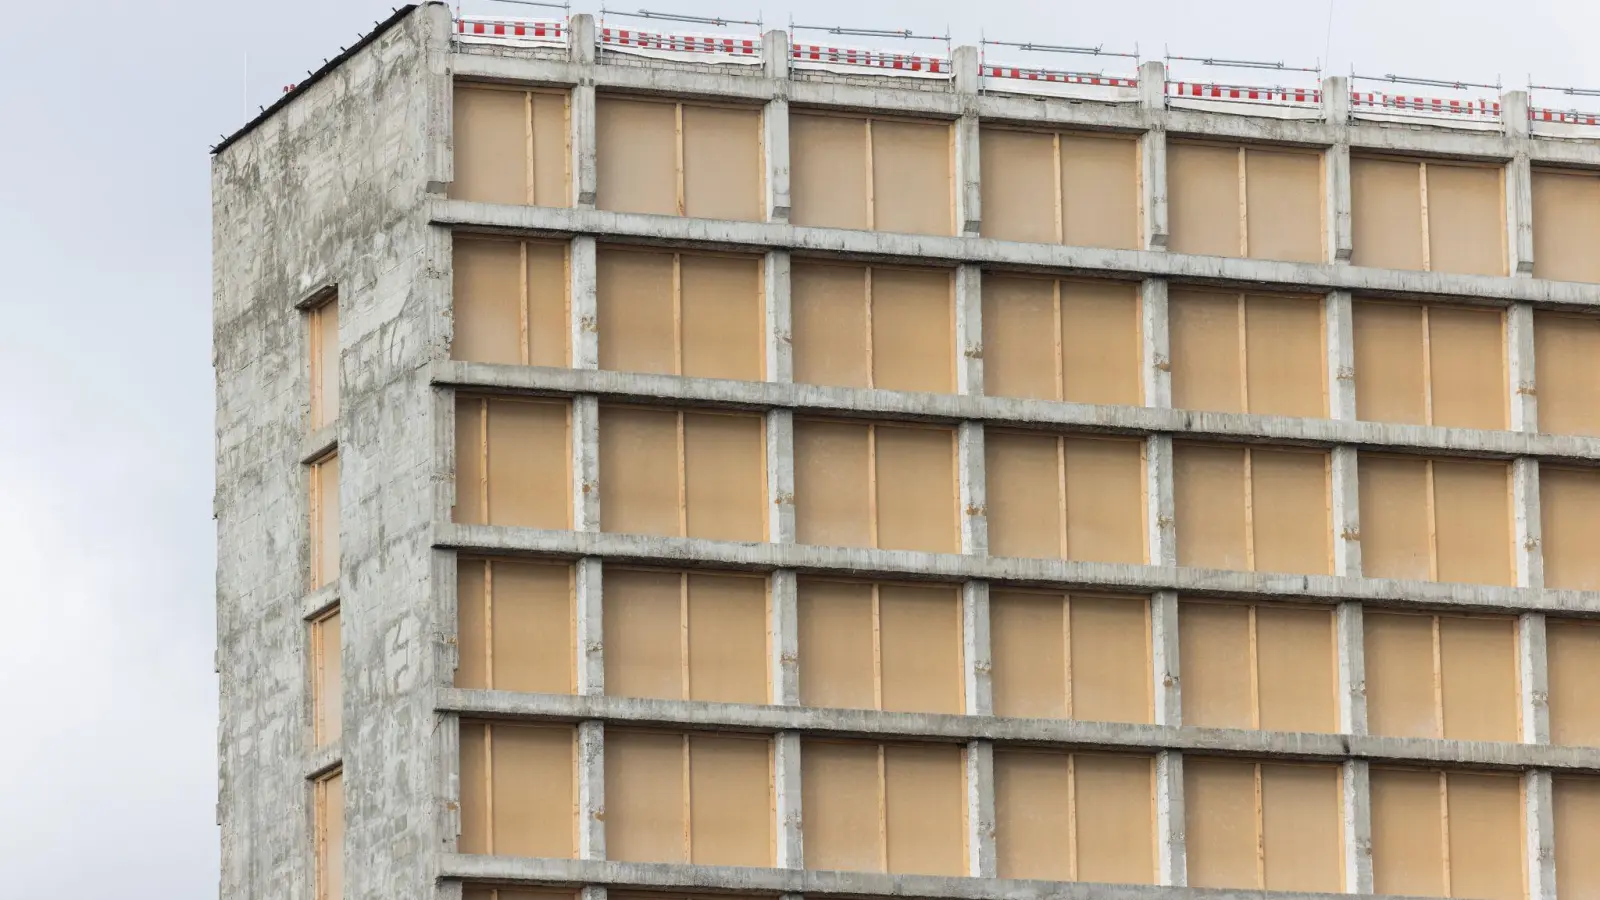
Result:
pixel 1447 834
pixel 897 808
pixel 1052 187
pixel 1573 650
pixel 325 521
pixel 1057 339
pixel 880 646
pixel 1063 496
pixel 869 172
pixel 1433 216
pixel 678 159
pixel 1565 348
pixel 875 485
pixel 1249 353
pixel 511 146
pixel 1079 656
pixel 1074 816
pixel 1267 666
pixel 1436 519
pixel 1231 200
pixel 704 799
pixel 1254 509
pixel 1438 676
pixel 1569 512
pixel 323 333
pixel 1277 826
pixel 486 892
pixel 327 688
pixel 683 473
pixel 329 805
pixel 1577 821
pixel 1430 365
pixel 874 326
pixel 694 314
pixel 1566 226
pixel 685 635
pixel 515 631
pixel 518 791
pixel 510 302
pixel 513 462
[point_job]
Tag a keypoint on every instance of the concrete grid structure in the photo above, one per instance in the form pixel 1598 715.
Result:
pixel 549 565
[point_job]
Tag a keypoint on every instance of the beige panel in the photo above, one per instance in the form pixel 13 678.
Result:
pixel 842 795
pixel 533 790
pixel 1284 191
pixel 1466 219
pixel 1221 825
pixel 911 182
pixel 488 294
pixel 1218 683
pixel 1110 647
pixel 1577 820
pixel 1407 833
pixel 1203 209
pixel 1566 229
pixel 1115 801
pixel 1027 646
pixel 1209 502
pixel 332 880
pixel 639 482
pixel 1401 693
pixel 1033 814
pixel 725 472
pixel 920 645
pixel 1391 381
pixel 1478 659
pixel 475 787
pixel 832 484
pixel 1100 342
pixel 1569 393
pixel 828 166
pixel 1486 845
pixel 1100 199
pixel 1467 351
pixel 327 474
pixel 1297 670
pixel 532 641
pixel 549 327
pixel 528 464
pixel 1207 361
pixel 468 508
pixel 925 802
pixel 1024 493
pixel 634 310
pixel 722 163
pixel 1386 213
pixel 1105 500
pixel 636 155
pixel 491 145
pixel 837 645
pixel 913 343
pixel 1394 517
pixel 330 680
pixel 1302 828
pixel 1286 361
pixel 721 302
pixel 646 808
pixel 916 489
pixel 472 624
pixel 642 629
pixel 1018 336
pixel 728 638
pixel 552 149
pixel 1573 648
pixel 830 323
pixel 1472 513
pixel 328 365
pixel 1014 167
pixel 730 800
pixel 1292 529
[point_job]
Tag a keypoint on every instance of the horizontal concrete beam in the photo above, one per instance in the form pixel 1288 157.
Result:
pixel 868 723
pixel 954 408
pixel 915 248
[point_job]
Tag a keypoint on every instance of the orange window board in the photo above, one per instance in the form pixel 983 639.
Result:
pixel 1566 228
pixel 1427 215
pixel 682 473
pixel 1573 651
pixel 1252 353
pixel 1266 666
pixel 875 485
pixel 487 892
pixel 513 462
pixel 1273 826
pixel 1055 339
pixel 880 646
pixel 1439 676
pixel 1577 821
pixel 518 791
pixel 1074 816
pixel 1447 834
pixel 1065 496
pixel 693 314
pixel 325 521
pixel 873 326
pixel 1569 510
pixel 673 158
pixel 327 688
pixel 1565 347
pixel 329 823
pixel 870 172
pixel 515 629
pixel 704 799
pixel 1078 656
pixel 685 635
pixel 510 302
pixel 511 146
pixel 1436 519
pixel 1427 364
pixel 323 332
pixel 1092 196
pixel 897 808
pixel 1261 509
pixel 1234 200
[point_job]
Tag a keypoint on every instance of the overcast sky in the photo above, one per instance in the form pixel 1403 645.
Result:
pixel 107 694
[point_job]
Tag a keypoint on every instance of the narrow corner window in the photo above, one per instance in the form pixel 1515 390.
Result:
pixel 323 333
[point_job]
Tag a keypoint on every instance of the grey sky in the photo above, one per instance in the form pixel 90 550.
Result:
pixel 107 695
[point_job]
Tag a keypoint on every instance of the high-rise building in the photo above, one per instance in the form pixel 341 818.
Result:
pixel 654 466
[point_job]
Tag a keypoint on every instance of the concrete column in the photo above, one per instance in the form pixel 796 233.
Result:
pixel 976 653
pixel 591 790
pixel 1155 333
pixel 1345 487
pixel 581 31
pixel 1153 152
pixel 969 330
pixel 1538 793
pixel 1164 656
pixel 775 138
pixel 1159 516
pixel 780 476
pixel 584 315
pixel 969 200
pixel 1357 827
pixel 775 53
pixel 1522 368
pixel 587 613
pixel 1336 112
pixel 1352 637
pixel 1526 513
pixel 980 810
pixel 1340 330
pixel 786 799
pixel 1171 855
pixel 1519 186
pixel 776 269
pixel 1534 659
pixel 974 496
pixel 783 636
pixel 586 463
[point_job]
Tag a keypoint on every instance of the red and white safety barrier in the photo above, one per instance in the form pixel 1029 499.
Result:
pixel 1564 116
pixel 633 39
pixel 1053 77
pixel 513 29
pixel 1438 106
pixel 817 54
pixel 1244 94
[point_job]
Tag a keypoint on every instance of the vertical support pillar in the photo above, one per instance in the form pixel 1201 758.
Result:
pixel 1164 655
pixel 1339 326
pixel 1534 658
pixel 980 810
pixel 586 463
pixel 1153 153
pixel 585 320
pixel 590 627
pixel 969 208
pixel 780 476
pixel 775 126
pixel 784 636
pixel 1357 827
pixel 969 330
pixel 976 652
pixel 591 790
pixel 1345 486
pixel 1156 335
pixel 786 799
pixel 1539 793
pixel 1160 514
pixel 1352 636
pixel 1519 186
pixel 974 495
pixel 1171 853
pixel 1336 112
pixel 582 113
pixel 1522 368
pixel 778 281
pixel 1526 513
